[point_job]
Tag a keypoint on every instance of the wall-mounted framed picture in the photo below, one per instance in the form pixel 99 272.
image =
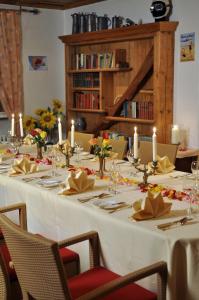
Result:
pixel 38 63
pixel 187 46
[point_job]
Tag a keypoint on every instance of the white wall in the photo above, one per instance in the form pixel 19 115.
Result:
pixel 40 37
pixel 186 87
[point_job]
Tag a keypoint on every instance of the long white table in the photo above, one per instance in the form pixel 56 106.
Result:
pixel 126 244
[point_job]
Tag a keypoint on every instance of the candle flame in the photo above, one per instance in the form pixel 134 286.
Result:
pixel 154 129
pixel 135 129
pixel 72 122
pixel 20 115
pixel 13 115
pixel 59 119
pixel 175 126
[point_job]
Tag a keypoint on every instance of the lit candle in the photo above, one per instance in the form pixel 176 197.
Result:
pixel 175 135
pixel 21 125
pixel 60 131
pixel 135 143
pixel 72 142
pixel 154 141
pixel 13 125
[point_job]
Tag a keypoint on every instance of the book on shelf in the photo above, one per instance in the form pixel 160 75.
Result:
pixel 111 59
pixel 137 109
pixel 86 80
pixel 86 100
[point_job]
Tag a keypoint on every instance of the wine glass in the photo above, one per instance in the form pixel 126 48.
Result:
pixel 78 150
pixel 189 190
pixel 130 157
pixel 115 176
pixel 194 170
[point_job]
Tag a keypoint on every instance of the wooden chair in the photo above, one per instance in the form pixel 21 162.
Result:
pixel 145 151
pixel 82 139
pixel 9 286
pixel 118 146
pixel 41 274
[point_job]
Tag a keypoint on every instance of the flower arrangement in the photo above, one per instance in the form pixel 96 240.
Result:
pixel 36 136
pixel 46 118
pixel 103 150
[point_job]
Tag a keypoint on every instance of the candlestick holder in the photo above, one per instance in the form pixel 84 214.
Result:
pixel 145 170
pixel 67 151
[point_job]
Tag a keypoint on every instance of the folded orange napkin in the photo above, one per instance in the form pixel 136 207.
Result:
pixel 152 207
pixel 77 182
pixel 164 166
pixel 23 166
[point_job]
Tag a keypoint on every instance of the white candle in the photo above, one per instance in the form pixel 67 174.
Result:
pixel 135 143
pixel 13 125
pixel 72 142
pixel 21 125
pixel 175 135
pixel 154 142
pixel 60 131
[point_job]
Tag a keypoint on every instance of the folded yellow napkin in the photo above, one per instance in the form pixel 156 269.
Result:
pixel 152 207
pixel 23 166
pixel 77 182
pixel 164 166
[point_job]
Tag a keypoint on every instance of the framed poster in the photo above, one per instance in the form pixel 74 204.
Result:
pixel 37 63
pixel 187 46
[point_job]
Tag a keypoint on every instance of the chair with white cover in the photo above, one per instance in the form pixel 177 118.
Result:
pixel 41 274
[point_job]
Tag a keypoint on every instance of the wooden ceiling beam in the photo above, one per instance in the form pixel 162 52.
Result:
pixel 59 4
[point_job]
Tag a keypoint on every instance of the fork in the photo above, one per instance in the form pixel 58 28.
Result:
pixel 99 196
pixel 182 221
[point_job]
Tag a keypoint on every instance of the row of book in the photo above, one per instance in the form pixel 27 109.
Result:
pixel 113 59
pixel 90 80
pixel 86 100
pixel 137 110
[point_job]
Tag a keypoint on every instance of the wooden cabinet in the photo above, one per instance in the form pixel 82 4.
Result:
pixel 119 93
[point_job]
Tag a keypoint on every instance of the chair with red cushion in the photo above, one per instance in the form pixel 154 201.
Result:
pixel 41 274
pixel 9 285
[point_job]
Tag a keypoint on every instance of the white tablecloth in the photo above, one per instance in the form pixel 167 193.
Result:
pixel 126 245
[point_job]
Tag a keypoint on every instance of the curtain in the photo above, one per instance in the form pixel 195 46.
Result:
pixel 11 78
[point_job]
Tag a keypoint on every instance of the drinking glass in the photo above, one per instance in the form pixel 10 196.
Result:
pixel 189 190
pixel 115 175
pixel 78 150
pixel 194 169
pixel 130 158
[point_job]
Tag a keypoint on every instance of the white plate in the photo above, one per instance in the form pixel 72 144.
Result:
pixel 49 182
pixel 108 204
pixel 4 167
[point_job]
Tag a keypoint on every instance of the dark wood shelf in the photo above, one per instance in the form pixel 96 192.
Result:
pixel 129 120
pixel 99 111
pixel 100 70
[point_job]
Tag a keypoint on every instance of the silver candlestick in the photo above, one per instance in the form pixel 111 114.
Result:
pixel 146 172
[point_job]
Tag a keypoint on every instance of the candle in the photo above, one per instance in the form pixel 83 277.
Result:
pixel 175 135
pixel 154 142
pixel 135 143
pixel 13 125
pixel 72 142
pixel 60 131
pixel 21 124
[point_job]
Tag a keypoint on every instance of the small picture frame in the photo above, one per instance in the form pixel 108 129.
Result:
pixel 38 63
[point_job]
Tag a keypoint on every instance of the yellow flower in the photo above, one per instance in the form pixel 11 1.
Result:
pixel 39 111
pixel 57 105
pixel 43 134
pixel 105 142
pixel 48 120
pixel 29 123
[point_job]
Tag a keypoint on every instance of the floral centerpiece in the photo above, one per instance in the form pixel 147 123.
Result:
pixel 38 137
pixel 46 119
pixel 102 151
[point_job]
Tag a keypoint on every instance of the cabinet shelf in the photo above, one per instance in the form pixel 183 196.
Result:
pixel 129 120
pixel 100 70
pixel 99 111
pixel 149 92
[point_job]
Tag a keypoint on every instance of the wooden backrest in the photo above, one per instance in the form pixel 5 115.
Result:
pixel 145 151
pixel 118 146
pixel 37 263
pixel 82 139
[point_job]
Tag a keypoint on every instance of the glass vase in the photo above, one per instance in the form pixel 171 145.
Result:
pixel 101 167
